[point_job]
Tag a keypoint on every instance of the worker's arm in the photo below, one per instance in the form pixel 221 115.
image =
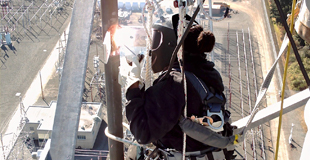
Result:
pixel 205 135
pixel 154 112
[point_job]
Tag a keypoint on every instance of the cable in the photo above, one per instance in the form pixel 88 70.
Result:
pixel 176 49
pixel 122 140
pixel 284 80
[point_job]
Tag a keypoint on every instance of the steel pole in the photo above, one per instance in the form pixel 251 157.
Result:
pixel 109 15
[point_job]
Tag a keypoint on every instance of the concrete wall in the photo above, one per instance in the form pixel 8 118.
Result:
pixel 32 129
pixel 87 143
pixel 44 134
pixel 90 136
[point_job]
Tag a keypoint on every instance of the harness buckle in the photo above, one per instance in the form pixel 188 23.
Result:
pixel 218 125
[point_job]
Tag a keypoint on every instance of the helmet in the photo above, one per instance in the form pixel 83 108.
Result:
pixel 163 44
pixel 164 41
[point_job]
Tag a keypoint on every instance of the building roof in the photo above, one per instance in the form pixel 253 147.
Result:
pixel 45 115
pixel 88 111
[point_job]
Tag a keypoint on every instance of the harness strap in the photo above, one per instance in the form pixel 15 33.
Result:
pixel 214 101
pixel 205 93
pixel 200 86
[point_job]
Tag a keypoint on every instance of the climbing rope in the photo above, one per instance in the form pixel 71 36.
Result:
pixel 149 6
pixel 180 31
pixel 148 30
pixel 148 73
pixel 284 80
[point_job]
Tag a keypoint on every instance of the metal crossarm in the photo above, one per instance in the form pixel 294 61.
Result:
pixel 70 94
pixel 271 112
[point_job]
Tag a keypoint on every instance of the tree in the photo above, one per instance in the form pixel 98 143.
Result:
pixel 297 38
pixel 286 6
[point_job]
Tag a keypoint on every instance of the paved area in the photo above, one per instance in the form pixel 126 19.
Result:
pixel 19 67
pixel 22 64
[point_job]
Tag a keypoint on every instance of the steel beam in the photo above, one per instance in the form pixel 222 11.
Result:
pixel 71 87
pixel 273 111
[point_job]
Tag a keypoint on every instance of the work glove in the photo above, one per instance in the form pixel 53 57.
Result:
pixel 129 74
pixel 238 138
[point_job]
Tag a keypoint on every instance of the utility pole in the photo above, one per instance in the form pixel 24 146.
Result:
pixel 109 16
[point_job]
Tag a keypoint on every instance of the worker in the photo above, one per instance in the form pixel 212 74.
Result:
pixel 155 114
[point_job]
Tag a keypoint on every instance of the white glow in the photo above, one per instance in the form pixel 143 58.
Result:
pixel 130 36
pixel 124 36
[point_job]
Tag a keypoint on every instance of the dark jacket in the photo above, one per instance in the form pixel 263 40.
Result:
pixel 153 114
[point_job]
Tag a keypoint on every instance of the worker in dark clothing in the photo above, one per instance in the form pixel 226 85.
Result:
pixel 156 113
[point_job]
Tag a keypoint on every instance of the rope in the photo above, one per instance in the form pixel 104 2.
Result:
pixel 148 30
pixel 122 140
pixel 149 7
pixel 176 49
pixel 284 80
pixel 182 13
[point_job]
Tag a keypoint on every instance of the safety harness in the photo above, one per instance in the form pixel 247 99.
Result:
pixel 213 107
pixel 213 103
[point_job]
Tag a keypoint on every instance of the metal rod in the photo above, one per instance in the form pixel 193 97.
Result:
pixel 249 91
pixel 246 73
pixel 114 107
pixel 240 79
pixel 211 26
pixel 91 92
pixel 240 86
pixel 2 145
pixel 229 83
pixel 229 65
pixel 109 17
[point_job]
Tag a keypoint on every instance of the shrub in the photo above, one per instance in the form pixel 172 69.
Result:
pixel 296 77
